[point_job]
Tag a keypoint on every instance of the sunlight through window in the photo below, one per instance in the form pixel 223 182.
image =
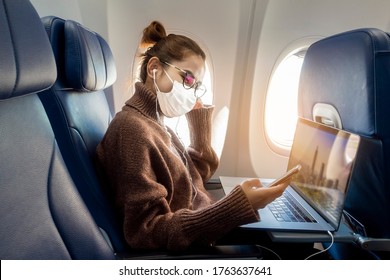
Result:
pixel 281 105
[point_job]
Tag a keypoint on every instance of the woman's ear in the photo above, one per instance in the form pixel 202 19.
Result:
pixel 154 65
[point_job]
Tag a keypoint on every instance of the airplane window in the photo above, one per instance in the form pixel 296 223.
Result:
pixel 281 104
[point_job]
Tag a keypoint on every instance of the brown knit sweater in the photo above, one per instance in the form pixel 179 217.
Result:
pixel 147 175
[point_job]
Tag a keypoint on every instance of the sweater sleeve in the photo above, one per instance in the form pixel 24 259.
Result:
pixel 200 149
pixel 154 225
pixel 209 224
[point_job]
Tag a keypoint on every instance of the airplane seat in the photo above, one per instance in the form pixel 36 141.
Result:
pixel 42 215
pixel 79 113
pixel 345 82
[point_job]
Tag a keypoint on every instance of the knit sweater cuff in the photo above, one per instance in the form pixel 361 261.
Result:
pixel 199 122
pixel 213 222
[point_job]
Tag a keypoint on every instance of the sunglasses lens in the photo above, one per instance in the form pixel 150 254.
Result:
pixel 189 80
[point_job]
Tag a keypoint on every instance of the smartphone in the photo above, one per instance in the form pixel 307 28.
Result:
pixel 287 176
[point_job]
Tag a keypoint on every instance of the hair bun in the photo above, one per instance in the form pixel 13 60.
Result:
pixel 153 33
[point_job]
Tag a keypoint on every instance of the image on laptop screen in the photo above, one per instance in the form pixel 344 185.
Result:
pixel 324 176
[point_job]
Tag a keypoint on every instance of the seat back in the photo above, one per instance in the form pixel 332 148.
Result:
pixel 41 213
pixel 79 112
pixel 345 82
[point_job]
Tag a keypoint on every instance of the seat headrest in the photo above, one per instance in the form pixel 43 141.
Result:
pixel 348 71
pixel 27 63
pixel 89 63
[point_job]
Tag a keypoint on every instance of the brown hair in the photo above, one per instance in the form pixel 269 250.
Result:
pixel 166 48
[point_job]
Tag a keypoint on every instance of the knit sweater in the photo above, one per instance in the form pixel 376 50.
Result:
pixel 158 186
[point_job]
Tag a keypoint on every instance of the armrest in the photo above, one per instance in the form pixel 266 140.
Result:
pixel 214 188
pixel 213 184
pixel 373 244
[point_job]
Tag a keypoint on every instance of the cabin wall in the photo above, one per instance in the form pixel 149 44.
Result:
pixel 244 39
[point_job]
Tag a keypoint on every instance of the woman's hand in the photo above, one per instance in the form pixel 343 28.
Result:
pixel 258 195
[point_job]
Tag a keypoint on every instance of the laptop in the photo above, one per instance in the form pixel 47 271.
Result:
pixel 318 191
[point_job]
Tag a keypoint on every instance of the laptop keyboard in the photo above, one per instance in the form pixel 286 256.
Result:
pixel 286 210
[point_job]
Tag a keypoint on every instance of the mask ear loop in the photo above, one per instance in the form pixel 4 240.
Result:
pixel 169 77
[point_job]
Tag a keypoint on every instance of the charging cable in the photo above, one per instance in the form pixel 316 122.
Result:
pixel 324 250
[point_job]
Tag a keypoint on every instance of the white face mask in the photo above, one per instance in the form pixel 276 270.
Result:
pixel 178 101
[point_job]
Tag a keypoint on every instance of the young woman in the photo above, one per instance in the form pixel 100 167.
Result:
pixel 157 184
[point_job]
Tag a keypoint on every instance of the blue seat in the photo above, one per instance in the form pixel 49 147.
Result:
pixel 79 112
pixel 345 82
pixel 42 215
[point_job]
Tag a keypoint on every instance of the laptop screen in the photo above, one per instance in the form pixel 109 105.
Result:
pixel 327 156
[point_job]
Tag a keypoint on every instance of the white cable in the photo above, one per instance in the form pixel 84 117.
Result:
pixel 183 154
pixel 176 127
pixel 322 251
pixel 187 167
pixel 185 158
